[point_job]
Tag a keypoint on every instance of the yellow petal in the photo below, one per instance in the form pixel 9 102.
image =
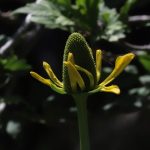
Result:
pixel 89 75
pixel 41 79
pixel 112 89
pixel 47 82
pixel 120 64
pixel 51 74
pixel 98 64
pixel 75 77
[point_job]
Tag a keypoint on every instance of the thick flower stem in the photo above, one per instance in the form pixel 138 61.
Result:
pixel 81 104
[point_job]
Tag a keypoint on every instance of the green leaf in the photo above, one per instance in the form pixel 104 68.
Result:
pixel 89 9
pixel 64 2
pixel 113 28
pixel 125 8
pixel 47 13
pixel 14 64
pixel 81 4
pixel 87 16
pixel 145 61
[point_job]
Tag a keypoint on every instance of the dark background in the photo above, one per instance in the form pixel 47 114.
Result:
pixel 36 118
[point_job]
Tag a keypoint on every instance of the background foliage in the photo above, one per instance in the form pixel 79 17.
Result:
pixel 34 117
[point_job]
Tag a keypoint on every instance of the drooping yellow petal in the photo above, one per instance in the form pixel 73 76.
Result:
pixel 98 64
pixel 47 82
pixel 75 77
pixel 112 89
pixel 51 74
pixel 120 64
pixel 89 74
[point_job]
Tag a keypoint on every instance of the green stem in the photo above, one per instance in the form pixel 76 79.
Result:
pixel 81 104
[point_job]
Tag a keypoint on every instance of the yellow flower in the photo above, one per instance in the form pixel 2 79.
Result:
pixel 81 73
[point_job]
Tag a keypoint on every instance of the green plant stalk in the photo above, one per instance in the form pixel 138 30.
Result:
pixel 81 103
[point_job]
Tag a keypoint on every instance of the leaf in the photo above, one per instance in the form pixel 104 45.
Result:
pixel 113 28
pixel 47 13
pixel 145 79
pixel 64 2
pixel 81 4
pixel 92 12
pixel 147 24
pixel 132 69
pixel 140 91
pixel 145 61
pixel 89 9
pixel 87 16
pixel 14 64
pixel 125 8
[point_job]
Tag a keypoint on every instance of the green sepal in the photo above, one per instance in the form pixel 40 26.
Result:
pixel 83 56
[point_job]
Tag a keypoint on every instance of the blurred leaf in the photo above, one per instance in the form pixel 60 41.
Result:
pixel 93 12
pixel 87 6
pixel 145 61
pixel 131 69
pixel 81 4
pixel 12 100
pixel 2 105
pixel 13 128
pixel 3 38
pixel 86 16
pixel 14 64
pixel 108 106
pixel 145 79
pixel 147 24
pixel 50 98
pixel 138 103
pixel 4 79
pixel 125 8
pixel 46 13
pixel 63 2
pixel 140 91
pixel 113 28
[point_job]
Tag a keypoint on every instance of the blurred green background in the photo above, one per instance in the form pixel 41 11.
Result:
pixel 34 117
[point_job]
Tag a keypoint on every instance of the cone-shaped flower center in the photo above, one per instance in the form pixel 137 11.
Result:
pixel 77 46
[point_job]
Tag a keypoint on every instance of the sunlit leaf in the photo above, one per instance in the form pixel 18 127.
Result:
pixel 47 13
pixel 113 28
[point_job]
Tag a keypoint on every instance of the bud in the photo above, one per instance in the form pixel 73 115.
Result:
pixel 83 57
pixel 81 74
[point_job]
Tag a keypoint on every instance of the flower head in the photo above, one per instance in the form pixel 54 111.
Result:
pixel 81 73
